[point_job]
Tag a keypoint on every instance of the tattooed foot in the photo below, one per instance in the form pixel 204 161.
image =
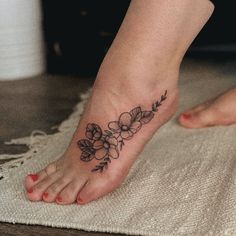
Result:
pixel 218 111
pixel 115 126
pixel 107 145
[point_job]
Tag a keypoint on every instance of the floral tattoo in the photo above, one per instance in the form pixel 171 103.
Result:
pixel 106 145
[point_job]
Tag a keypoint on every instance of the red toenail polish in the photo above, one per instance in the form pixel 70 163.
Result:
pixel 79 199
pixel 186 116
pixel 30 190
pixel 34 177
pixel 45 195
pixel 59 199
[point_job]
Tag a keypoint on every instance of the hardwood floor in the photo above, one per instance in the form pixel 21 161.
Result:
pixel 37 103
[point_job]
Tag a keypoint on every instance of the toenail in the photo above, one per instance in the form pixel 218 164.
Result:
pixel 79 199
pixel 30 190
pixel 59 199
pixel 186 116
pixel 34 177
pixel 45 195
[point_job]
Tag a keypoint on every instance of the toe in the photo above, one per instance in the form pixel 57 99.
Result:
pixel 95 189
pixel 33 179
pixel 69 194
pixel 88 193
pixel 35 193
pixel 53 190
pixel 200 119
pixel 196 117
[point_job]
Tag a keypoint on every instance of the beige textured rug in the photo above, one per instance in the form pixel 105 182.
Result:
pixel 184 182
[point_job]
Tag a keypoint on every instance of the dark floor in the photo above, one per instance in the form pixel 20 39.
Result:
pixel 37 103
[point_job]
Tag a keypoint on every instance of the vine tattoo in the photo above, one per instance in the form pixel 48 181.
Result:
pixel 106 145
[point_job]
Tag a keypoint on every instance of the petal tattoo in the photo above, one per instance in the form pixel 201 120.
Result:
pixel 106 145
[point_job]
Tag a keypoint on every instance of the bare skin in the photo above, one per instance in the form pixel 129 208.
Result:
pixel 142 63
pixel 217 111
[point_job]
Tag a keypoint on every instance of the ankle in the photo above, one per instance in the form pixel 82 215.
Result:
pixel 139 84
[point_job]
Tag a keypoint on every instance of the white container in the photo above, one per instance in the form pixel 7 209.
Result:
pixel 22 52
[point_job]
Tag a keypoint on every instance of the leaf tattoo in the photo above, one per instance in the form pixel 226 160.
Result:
pixel 87 150
pixel 146 117
pixel 84 144
pixel 106 145
pixel 136 114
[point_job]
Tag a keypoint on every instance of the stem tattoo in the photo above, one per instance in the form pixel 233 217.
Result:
pixel 106 145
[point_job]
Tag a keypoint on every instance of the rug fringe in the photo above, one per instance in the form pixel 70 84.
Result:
pixel 38 139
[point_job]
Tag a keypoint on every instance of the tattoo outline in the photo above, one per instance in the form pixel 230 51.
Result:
pixel 106 145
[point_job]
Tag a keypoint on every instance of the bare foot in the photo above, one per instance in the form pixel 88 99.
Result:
pixel 218 111
pixel 97 161
pixel 134 94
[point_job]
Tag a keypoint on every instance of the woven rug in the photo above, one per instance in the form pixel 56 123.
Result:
pixel 183 183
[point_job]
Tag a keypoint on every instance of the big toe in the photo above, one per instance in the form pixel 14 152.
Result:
pixel 198 119
pixel 95 189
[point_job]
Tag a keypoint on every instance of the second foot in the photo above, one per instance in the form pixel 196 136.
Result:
pixel 218 111
pixel 116 125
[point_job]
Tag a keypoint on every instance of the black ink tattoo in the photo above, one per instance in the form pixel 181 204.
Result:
pixel 106 145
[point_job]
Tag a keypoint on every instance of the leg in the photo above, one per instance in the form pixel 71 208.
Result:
pixel 142 63
pixel 218 111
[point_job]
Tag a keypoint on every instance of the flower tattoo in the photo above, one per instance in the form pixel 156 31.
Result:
pixel 93 132
pixel 106 145
pixel 125 126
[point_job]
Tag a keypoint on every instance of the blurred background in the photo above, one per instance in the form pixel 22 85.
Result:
pixel 72 37
pixel 78 33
